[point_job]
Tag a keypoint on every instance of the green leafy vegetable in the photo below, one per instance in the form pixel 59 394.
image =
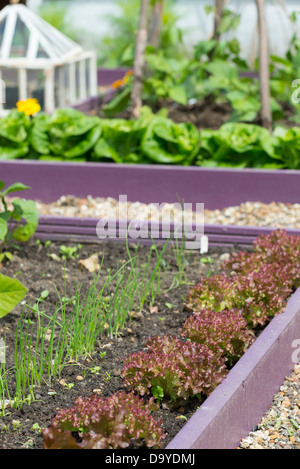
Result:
pixel 14 132
pixel 67 133
pixel 166 142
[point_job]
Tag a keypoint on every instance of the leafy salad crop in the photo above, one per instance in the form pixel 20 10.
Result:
pixel 154 138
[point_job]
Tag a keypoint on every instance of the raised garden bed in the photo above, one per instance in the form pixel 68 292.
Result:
pixel 224 418
pixel 247 379
pixel 215 188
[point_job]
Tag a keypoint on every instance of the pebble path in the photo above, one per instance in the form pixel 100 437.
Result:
pixel 249 213
pixel 280 426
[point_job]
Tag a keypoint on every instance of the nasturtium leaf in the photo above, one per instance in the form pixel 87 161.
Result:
pixel 12 291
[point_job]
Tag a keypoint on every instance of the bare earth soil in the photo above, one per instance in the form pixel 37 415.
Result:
pixel 37 271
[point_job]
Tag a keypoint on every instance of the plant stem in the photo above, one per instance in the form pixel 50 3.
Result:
pixel 139 60
pixel 264 69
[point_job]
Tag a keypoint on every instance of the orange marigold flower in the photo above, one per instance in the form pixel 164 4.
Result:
pixel 129 73
pixel 29 106
pixel 116 84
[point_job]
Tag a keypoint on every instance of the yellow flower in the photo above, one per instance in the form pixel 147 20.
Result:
pixel 29 106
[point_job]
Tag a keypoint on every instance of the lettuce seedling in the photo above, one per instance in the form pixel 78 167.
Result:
pixel 225 332
pixel 121 421
pixel 179 370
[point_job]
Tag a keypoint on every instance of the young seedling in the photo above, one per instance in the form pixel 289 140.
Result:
pixel 95 370
pixel 36 428
pixel 107 377
pixel 5 256
pixel 206 260
pixel 69 252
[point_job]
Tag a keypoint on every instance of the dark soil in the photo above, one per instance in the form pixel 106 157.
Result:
pixel 206 114
pixel 33 267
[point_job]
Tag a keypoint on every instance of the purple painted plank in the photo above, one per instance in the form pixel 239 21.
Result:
pixel 240 401
pixel 88 105
pixel 216 188
pixel 252 231
pixel 106 76
pixel 118 229
pixel 122 234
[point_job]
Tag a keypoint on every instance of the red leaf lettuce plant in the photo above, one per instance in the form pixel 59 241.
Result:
pixel 121 421
pixel 173 370
pixel 225 333
pixel 260 294
pixel 278 248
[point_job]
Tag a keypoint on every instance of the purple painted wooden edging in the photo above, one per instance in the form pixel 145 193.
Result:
pixel 84 229
pixel 240 401
pixel 217 188
pixel 106 76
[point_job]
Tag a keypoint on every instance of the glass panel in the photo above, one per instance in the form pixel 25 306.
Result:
pixel 36 86
pixel 41 53
pixel 10 79
pixel 20 40
pixel 2 27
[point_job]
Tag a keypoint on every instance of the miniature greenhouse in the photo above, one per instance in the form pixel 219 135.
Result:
pixel 38 61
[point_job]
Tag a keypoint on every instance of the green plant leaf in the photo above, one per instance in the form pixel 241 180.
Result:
pixel 27 210
pixel 39 136
pixel 12 291
pixel 12 152
pixel 118 103
pixel 3 229
pixel 178 94
pixel 16 187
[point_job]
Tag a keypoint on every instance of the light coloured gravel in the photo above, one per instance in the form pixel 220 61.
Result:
pixel 277 215
pixel 280 426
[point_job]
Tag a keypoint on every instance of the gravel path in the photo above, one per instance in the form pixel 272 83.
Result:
pixel 250 213
pixel 280 426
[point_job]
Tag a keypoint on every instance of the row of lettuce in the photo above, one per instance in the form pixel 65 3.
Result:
pixel 226 311
pixel 69 134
